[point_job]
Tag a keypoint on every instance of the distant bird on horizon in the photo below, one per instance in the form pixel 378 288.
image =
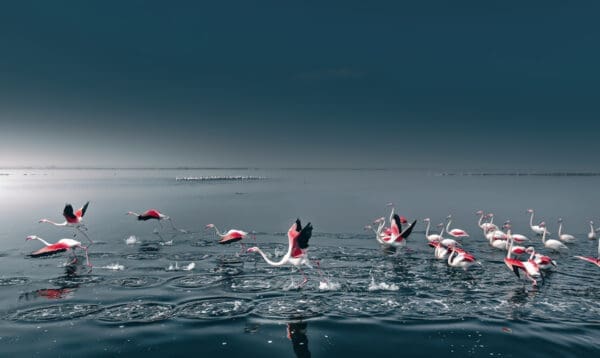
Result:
pixel 153 214
pixel 61 246
pixel 72 219
pixel 297 254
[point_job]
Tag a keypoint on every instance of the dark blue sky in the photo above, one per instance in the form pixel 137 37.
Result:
pixel 475 84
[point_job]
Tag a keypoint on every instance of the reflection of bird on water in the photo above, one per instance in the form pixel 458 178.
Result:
pixel 296 332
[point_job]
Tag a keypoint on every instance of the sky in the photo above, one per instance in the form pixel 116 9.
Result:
pixel 386 84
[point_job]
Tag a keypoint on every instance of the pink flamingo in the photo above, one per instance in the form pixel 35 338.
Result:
pixel 535 228
pixel 432 237
pixel 594 260
pixel 460 258
pixel 529 267
pixel 455 232
pixel 72 219
pixel 398 237
pixel 543 261
pixel 153 214
pixel 60 246
pixel 297 254
pixel 230 236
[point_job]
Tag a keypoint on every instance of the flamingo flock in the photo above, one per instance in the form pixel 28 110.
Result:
pixel 392 236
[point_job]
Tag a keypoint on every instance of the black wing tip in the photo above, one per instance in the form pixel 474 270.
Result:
pixel 298 225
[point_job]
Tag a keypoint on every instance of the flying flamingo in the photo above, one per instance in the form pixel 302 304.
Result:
pixel 455 232
pixel 594 260
pixel 72 219
pixel 529 267
pixel 535 228
pixel 564 237
pixel 61 246
pixel 551 243
pixel 297 254
pixel 153 214
pixel 230 236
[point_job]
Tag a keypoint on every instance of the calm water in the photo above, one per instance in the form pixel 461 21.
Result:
pixel 232 304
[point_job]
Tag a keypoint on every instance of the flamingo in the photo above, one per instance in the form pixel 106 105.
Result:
pixel 592 233
pixel 432 237
pixel 594 260
pixel 455 232
pixel 297 254
pixel 72 219
pixel 564 237
pixel 535 228
pixel 551 243
pixel 398 237
pixel 60 246
pixel 543 261
pixel 230 236
pixel 517 237
pixel 529 267
pixel 379 235
pixel 485 226
pixel 460 258
pixel 153 214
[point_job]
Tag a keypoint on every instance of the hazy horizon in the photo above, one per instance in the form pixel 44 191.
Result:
pixel 301 85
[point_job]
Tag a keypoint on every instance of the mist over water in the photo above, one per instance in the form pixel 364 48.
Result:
pixel 171 293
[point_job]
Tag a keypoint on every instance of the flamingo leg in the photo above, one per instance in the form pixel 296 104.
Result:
pixel 304 277
pixel 74 257
pixel 87 256
pixel 176 229
pixel 84 234
pixel 320 272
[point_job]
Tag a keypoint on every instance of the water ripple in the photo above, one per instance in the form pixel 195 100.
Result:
pixel 13 281
pixel 196 281
pixel 354 306
pixel 136 281
pixel 136 312
pixel 58 312
pixel 291 307
pixel 215 308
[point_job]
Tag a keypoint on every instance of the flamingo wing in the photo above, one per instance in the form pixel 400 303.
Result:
pixel 68 213
pixel 49 250
pixel 408 230
pixel 82 210
pixel 514 265
pixel 304 236
pixel 396 225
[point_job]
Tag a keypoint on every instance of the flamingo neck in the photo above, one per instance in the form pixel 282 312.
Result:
pixel 217 230
pixel 598 249
pixel 42 240
pixel 53 223
pixel 531 219
pixel 480 220
pixel 510 244
pixel 283 260
pixel 392 215
pixel 544 236
pixel 427 228
pixel 448 225
pixel 559 229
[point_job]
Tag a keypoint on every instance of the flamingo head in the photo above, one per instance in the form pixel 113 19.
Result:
pixel 389 204
pixel 43 221
pixel 542 225
pixel 403 220
pixel 31 237
pixel 530 211
pixel 440 224
pixel 560 220
pixel 131 213
pixel 368 227
pixel 209 226
pixel 252 249
pixel 427 220
pixel 530 250
pixel 490 215
pixel 507 225
pixel 378 220
pixel 479 212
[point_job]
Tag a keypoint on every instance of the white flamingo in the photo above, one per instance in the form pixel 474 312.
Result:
pixel 551 243
pixel 535 228
pixel 455 232
pixel 564 237
pixel 592 233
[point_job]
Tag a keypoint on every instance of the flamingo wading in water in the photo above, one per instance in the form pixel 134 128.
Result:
pixel 72 219
pixel 60 246
pixel 296 254
pixel 455 232
pixel 535 228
